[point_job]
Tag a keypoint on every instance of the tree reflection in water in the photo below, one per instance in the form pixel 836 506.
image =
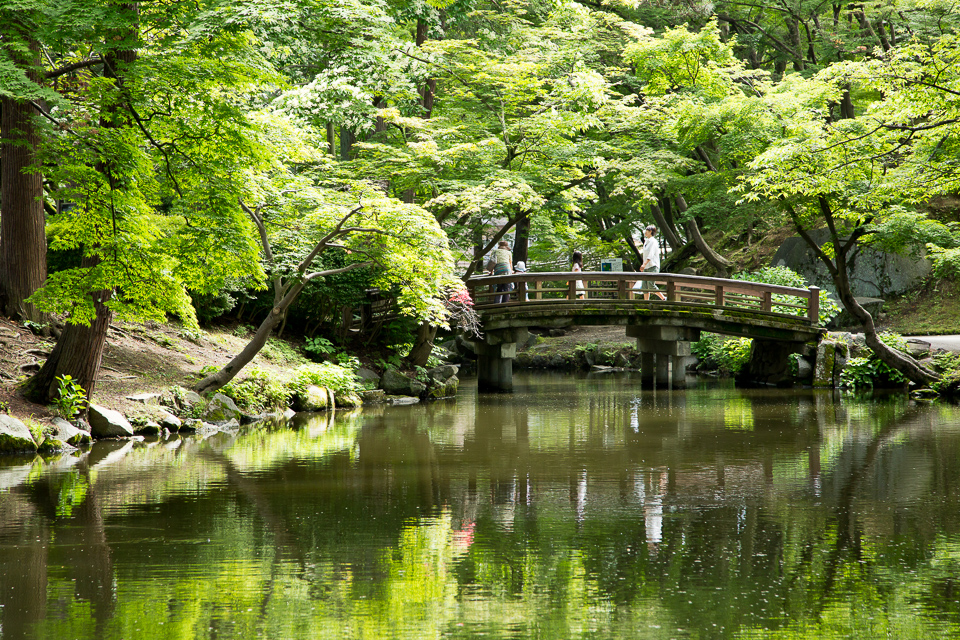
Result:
pixel 576 508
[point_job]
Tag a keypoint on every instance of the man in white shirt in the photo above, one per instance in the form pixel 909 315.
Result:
pixel 651 263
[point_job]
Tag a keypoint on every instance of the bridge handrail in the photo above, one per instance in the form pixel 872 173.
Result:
pixel 720 287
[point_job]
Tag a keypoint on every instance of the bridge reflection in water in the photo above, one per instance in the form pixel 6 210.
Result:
pixel 779 319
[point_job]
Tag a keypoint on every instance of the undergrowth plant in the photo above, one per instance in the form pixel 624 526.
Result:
pixel 870 371
pixel 71 397
pixel 260 391
pixel 726 355
pixel 341 380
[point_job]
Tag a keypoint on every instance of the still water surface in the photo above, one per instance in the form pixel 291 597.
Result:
pixel 573 508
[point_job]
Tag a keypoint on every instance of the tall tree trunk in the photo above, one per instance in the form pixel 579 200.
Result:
pixel 521 240
pixel 346 143
pixel 666 229
pixel 838 266
pixel 23 242
pixel 79 350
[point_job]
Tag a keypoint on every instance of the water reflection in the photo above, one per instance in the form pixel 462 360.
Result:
pixel 576 507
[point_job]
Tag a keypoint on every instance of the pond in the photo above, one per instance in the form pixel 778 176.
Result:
pixel 576 507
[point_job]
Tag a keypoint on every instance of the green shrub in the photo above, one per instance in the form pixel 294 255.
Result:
pixel 260 391
pixel 341 380
pixel 727 355
pixel 870 371
pixel 786 277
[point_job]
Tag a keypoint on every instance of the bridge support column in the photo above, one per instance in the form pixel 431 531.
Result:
pixel 669 347
pixel 769 362
pixel 495 357
pixel 647 367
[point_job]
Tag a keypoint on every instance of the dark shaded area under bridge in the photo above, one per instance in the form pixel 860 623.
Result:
pixel 779 319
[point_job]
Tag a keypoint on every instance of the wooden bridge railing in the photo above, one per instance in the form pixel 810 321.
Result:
pixel 600 286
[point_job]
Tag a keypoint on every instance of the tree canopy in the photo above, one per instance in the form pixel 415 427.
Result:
pixel 190 149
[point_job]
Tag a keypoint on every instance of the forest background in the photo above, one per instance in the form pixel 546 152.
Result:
pixel 277 159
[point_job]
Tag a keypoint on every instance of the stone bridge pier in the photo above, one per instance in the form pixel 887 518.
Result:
pixel 495 355
pixel 665 352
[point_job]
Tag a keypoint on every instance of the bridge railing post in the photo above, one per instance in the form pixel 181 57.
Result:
pixel 522 291
pixel 571 290
pixel 671 291
pixel 813 305
pixel 718 292
pixel 767 301
pixel 621 289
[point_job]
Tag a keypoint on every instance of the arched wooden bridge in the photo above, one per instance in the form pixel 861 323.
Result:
pixel 778 318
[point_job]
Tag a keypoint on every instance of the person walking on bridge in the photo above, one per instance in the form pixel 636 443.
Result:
pixel 577 267
pixel 651 263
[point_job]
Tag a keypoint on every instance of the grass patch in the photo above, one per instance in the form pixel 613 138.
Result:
pixel 931 310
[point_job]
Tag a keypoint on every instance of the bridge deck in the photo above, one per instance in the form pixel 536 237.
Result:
pixel 718 305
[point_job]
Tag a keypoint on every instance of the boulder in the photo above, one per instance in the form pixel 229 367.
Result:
pixel 52 444
pixel 840 356
pixel 312 398
pixel 373 396
pixel 15 436
pixel 400 400
pixel 145 398
pixel 289 413
pixel 395 383
pixel 107 423
pixel 70 434
pixel 191 398
pixel 918 348
pixel 804 369
pixel 190 425
pixel 170 422
pixel 149 428
pixel 621 360
pixel 347 400
pixel 447 389
pixel 368 375
pixel 221 409
pixel 443 373
pixel 872 274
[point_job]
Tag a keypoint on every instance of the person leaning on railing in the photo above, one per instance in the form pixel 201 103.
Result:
pixel 501 264
pixel 651 263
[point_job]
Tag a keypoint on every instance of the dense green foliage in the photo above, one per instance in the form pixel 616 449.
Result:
pixel 721 353
pixel 224 154
pixel 787 277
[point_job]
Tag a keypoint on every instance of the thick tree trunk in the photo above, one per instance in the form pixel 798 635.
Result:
pixel 78 353
pixel 216 380
pixel 721 264
pixel 79 350
pixel 22 236
pixel 346 143
pixel 838 267
pixel 666 229
pixel 423 345
pixel 521 242
pixel 888 355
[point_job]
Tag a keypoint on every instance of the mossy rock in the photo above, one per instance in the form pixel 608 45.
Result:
pixel 349 400
pixel 15 436
pixel 446 390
